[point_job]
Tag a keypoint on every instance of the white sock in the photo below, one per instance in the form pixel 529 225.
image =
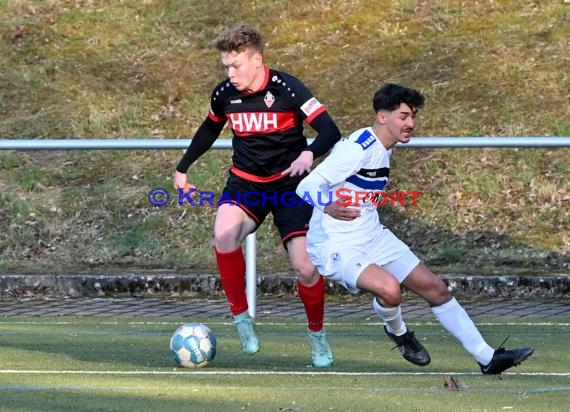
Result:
pixel 456 321
pixel 392 317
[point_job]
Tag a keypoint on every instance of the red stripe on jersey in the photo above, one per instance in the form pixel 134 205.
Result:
pixel 322 109
pixel 254 178
pixel 252 123
pixel 215 118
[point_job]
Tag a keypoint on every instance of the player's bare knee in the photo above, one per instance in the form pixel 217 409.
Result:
pixel 393 300
pixel 391 295
pixel 306 272
pixel 225 241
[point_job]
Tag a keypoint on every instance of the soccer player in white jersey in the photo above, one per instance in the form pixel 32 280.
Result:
pixel 349 245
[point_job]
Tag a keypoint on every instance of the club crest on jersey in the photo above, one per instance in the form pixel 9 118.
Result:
pixel 269 99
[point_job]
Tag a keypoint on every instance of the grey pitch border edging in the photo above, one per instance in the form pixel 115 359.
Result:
pixel 102 285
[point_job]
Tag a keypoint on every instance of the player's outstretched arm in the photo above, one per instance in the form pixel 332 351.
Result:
pixel 204 138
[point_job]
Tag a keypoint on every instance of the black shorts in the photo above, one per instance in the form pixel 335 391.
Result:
pixel 290 214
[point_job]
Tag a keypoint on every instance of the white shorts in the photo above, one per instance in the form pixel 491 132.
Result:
pixel 344 262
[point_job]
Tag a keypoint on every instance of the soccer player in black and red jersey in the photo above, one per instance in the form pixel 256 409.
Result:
pixel 265 109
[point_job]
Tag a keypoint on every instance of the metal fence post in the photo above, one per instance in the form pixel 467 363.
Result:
pixel 251 273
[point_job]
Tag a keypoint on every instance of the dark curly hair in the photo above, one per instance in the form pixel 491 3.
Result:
pixel 390 96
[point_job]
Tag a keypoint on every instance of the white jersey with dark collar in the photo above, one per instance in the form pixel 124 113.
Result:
pixel 358 169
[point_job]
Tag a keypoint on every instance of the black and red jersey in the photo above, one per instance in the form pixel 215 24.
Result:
pixel 267 124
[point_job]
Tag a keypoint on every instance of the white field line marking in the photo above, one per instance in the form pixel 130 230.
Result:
pixel 202 388
pixel 257 373
pixel 261 322
pixel 188 389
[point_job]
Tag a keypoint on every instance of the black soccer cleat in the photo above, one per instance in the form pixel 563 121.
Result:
pixel 412 350
pixel 504 359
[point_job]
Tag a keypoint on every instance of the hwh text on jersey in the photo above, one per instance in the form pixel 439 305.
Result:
pixel 253 122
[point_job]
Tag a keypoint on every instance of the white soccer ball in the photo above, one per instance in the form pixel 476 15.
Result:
pixel 193 345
